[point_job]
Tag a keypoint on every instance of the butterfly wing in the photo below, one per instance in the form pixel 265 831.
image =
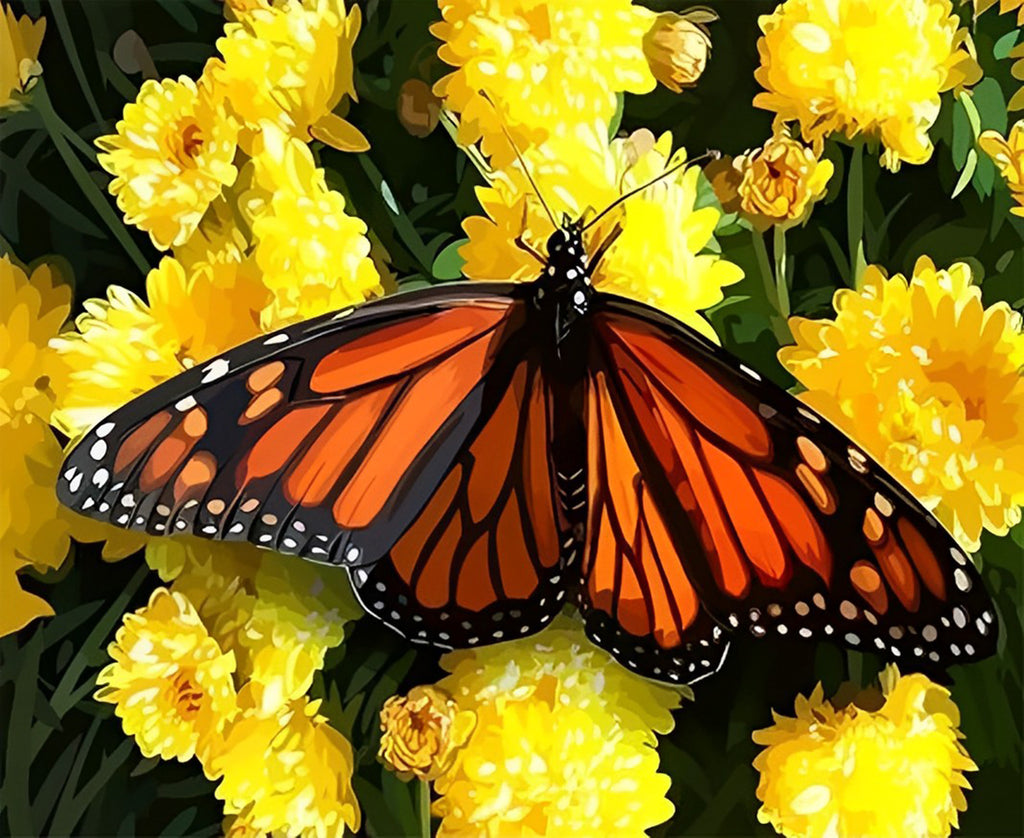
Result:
pixel 780 523
pixel 485 560
pixel 325 439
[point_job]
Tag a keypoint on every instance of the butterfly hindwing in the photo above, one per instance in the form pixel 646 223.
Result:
pixel 487 558
pixel 324 439
pixel 636 596
pixel 782 524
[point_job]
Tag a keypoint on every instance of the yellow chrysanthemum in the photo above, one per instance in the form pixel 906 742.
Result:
pixel 1008 155
pixel 548 65
pixel 124 346
pixel 300 611
pixel 314 257
pixel 563 742
pixel 171 683
pixel 20 39
pixel 289 771
pixel 278 614
pixel 928 380
pixel 658 257
pixel 291 63
pixel 421 732
pixel 222 234
pixel 862 67
pixel 171 156
pixel 33 527
pixel 780 182
pixel 32 310
pixel 892 772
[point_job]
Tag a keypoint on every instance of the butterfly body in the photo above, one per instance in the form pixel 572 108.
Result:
pixel 479 455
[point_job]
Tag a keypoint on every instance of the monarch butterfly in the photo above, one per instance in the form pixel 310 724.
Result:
pixel 478 454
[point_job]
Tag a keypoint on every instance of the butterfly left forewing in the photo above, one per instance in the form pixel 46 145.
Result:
pixel 324 439
pixel 784 526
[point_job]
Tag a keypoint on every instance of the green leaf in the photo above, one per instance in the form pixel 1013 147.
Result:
pixel 967 173
pixel 1001 48
pixel 991 104
pixel 616 121
pixel 448 263
pixel 973 117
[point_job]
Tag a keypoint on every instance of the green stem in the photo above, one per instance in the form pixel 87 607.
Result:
pixel 780 328
pixel 57 129
pixel 781 269
pixel 67 36
pixel 855 214
pixel 424 796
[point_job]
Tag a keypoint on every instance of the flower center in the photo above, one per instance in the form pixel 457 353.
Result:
pixel 188 698
pixel 187 143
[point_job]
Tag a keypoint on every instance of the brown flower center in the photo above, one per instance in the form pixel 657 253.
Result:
pixel 188 698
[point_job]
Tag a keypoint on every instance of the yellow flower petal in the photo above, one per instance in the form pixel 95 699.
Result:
pixel 562 743
pixel 895 771
pixel 289 770
pixel 20 39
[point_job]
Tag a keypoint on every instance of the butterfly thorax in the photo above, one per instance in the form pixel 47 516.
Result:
pixel 563 287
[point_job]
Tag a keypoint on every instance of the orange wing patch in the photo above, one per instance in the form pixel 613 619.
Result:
pixel 631 572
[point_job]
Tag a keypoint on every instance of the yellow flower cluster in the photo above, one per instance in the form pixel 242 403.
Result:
pixel 219 171
pixel 219 667
pixel 928 380
pixel 890 772
pixel 563 741
pixel 34 529
pixel 538 69
pixel 863 68
pixel 1008 155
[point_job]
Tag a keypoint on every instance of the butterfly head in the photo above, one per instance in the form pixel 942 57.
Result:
pixel 566 262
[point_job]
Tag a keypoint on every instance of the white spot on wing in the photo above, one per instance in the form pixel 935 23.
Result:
pixel 214 370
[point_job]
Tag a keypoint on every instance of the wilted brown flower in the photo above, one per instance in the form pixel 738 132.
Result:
pixel 422 732
pixel 725 179
pixel 677 47
pixel 418 107
pixel 780 181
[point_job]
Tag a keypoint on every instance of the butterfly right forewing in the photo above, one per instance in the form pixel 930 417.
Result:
pixel 783 525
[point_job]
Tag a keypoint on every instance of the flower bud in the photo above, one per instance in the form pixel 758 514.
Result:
pixel 677 48
pixel 781 181
pixel 418 108
pixel 422 732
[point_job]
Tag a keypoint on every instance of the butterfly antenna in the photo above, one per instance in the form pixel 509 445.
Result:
pixel 522 162
pixel 714 155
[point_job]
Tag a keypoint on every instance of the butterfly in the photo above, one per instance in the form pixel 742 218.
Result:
pixel 479 455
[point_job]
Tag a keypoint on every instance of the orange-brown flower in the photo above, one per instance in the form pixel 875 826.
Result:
pixel 422 732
